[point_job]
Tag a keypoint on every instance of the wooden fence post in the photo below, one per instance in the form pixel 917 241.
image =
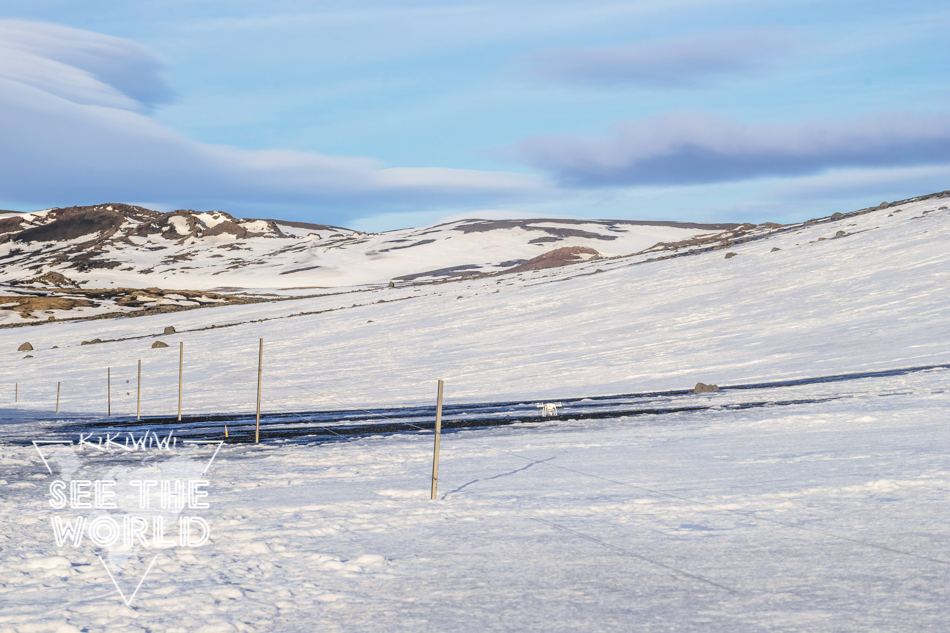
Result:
pixel 181 357
pixel 138 395
pixel 57 397
pixel 435 453
pixel 260 369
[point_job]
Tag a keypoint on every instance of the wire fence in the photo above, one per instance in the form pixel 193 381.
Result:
pixel 120 384
pixel 120 390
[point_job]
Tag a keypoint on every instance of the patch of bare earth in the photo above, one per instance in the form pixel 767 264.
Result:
pixel 26 304
pixel 122 301
pixel 557 257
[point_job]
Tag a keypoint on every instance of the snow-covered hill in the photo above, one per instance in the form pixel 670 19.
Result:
pixel 117 245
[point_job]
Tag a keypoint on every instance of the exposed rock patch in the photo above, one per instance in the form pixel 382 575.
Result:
pixel 53 278
pixel 26 304
pixel 453 271
pixel 74 222
pixel 396 248
pixel 117 301
pixel 557 257
pixel 725 239
pixel 479 226
pixel 704 388
pixel 26 347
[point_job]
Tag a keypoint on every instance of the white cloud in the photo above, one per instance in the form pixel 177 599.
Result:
pixel 686 148
pixel 81 66
pixel 75 128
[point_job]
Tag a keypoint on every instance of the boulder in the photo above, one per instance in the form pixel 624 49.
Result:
pixel 730 255
pixel 841 234
pixel 26 347
pixel 775 248
pixel 28 356
pixel 169 330
pixel 704 388
pixel 158 344
pixel 92 342
pixel 837 216
pixel 883 205
pixel 392 284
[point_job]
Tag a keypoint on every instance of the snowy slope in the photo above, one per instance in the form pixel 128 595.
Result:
pixel 821 508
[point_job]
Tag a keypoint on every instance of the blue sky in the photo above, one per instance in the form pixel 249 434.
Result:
pixel 380 115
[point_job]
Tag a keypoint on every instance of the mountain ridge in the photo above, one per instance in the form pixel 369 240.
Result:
pixel 132 246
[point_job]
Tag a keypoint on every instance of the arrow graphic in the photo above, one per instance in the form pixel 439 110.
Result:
pixel 128 602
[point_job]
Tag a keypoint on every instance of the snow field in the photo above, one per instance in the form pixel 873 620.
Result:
pixel 828 515
pixel 817 517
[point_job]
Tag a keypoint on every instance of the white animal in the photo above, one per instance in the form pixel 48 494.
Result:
pixel 549 408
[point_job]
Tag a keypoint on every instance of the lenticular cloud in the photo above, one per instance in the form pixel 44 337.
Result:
pixel 74 118
pixel 80 66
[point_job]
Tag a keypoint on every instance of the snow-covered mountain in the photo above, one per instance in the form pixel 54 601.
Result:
pixel 117 245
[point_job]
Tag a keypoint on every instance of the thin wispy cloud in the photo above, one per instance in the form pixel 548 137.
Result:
pixel 681 62
pixel 688 148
